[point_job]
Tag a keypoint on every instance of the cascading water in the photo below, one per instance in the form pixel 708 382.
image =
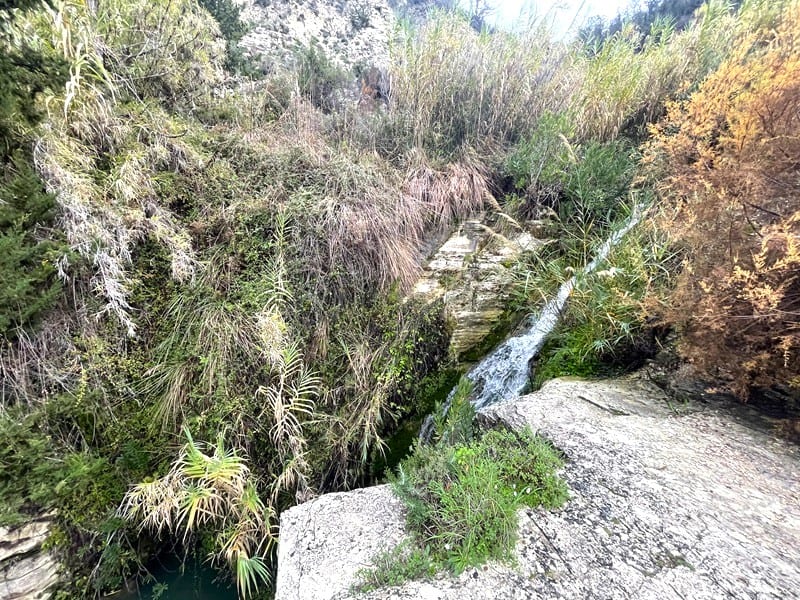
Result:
pixel 504 372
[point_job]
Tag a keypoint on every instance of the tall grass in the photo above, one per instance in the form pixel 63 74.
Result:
pixel 459 89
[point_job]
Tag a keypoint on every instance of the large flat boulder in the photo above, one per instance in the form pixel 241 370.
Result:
pixel 667 501
pixel 325 542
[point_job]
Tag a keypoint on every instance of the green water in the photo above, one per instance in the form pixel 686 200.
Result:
pixel 197 581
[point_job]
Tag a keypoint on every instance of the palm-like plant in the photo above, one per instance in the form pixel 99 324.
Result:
pixel 209 485
pixel 289 403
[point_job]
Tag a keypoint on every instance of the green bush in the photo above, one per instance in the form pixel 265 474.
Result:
pixel 27 256
pixel 319 78
pixel 603 330
pixel 462 495
pixel 583 184
pixel 27 246
pixel 228 14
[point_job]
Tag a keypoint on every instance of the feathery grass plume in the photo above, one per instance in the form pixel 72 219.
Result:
pixel 209 486
pixel 369 408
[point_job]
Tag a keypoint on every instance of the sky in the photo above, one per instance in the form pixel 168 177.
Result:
pixel 564 13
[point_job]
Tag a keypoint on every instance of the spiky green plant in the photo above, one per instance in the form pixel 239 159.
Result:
pixel 209 486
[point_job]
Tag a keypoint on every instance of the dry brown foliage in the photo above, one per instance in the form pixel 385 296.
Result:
pixel 731 155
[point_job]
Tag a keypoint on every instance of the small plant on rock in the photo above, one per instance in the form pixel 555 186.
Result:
pixel 462 494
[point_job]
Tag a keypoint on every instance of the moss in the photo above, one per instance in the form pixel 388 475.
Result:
pixel 431 392
pixel 504 325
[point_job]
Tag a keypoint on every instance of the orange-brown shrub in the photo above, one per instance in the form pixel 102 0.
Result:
pixel 729 161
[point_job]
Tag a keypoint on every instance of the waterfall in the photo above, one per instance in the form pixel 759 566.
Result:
pixel 504 372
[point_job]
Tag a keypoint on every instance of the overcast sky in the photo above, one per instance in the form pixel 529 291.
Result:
pixel 563 13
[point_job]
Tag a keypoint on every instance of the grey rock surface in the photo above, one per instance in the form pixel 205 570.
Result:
pixel 350 32
pixel 667 501
pixel 325 542
pixel 26 571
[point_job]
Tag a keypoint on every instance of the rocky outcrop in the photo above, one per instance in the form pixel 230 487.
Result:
pixel 667 501
pixel 311 558
pixel 470 271
pixel 26 571
pixel 350 32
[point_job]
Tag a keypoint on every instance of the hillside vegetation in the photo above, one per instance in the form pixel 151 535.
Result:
pixel 204 273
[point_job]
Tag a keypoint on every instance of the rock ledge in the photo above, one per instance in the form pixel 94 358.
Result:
pixel 666 502
pixel 26 571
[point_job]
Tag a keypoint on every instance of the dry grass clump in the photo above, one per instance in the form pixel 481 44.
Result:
pixel 357 222
pixel 39 363
pixel 452 193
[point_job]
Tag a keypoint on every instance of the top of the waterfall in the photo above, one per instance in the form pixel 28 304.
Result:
pixel 665 501
pixel 350 32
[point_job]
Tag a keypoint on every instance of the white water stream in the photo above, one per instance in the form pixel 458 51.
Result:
pixel 504 372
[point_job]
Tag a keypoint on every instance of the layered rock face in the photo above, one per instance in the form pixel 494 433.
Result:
pixel 470 272
pixel 26 571
pixel 667 501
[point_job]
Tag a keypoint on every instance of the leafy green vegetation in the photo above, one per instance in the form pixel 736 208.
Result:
pixel 462 494
pixel 228 14
pixel 29 247
pixel 185 253
pixel 27 257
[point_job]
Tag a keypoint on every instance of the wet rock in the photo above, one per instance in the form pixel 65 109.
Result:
pixel 667 500
pixel 26 571
pixel 470 271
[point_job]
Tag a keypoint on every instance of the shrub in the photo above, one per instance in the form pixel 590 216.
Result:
pixel 319 79
pixel 360 15
pixel 228 15
pixel 583 185
pixel 462 494
pixel 27 257
pixel 28 246
pixel 729 157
